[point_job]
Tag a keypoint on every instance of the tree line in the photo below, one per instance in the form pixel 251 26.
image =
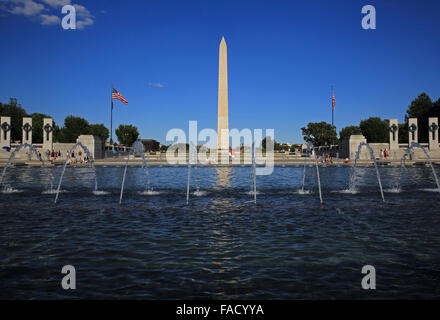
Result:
pixel 73 126
pixel 374 129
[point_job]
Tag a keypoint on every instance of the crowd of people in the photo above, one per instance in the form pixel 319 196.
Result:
pixel 78 158
pixel 325 159
pixel 53 155
pixel 73 158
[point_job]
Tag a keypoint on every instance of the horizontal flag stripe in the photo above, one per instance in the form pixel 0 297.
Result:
pixel 116 95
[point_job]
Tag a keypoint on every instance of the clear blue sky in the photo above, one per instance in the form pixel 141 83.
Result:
pixel 163 57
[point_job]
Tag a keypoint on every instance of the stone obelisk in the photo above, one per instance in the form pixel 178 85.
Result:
pixel 222 121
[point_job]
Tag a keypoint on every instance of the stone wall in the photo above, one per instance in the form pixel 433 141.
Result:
pixel 63 147
pixel 94 144
pixel 382 146
pixel 349 146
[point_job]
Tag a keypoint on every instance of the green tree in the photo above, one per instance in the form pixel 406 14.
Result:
pixel 403 132
pixel 276 145
pixel 127 134
pixel 16 112
pixel 56 133
pixel 435 110
pixel 295 147
pixel 284 147
pixel 375 130
pixel 421 108
pixel 349 131
pixel 319 133
pixel 73 128
pixel 37 127
pixel 99 130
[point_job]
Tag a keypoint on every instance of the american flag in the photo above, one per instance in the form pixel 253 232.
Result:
pixel 118 96
pixel 333 100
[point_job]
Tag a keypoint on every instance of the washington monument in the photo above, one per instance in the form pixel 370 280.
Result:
pixel 222 121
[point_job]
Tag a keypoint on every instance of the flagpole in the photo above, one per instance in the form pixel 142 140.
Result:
pixel 111 116
pixel 333 124
pixel 332 108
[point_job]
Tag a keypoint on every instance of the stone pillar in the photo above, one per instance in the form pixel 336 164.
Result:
pixel 353 145
pixel 433 133
pixel 413 135
pixel 47 134
pixel 5 132
pixel 394 134
pixel 27 131
pixel 93 144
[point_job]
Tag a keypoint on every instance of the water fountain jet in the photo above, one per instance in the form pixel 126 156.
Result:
pixel 352 177
pixel 136 149
pixel 253 190
pixel 192 159
pixel 413 146
pixel 12 157
pixel 90 157
pixel 309 149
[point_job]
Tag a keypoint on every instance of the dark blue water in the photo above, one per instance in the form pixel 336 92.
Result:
pixel 221 245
